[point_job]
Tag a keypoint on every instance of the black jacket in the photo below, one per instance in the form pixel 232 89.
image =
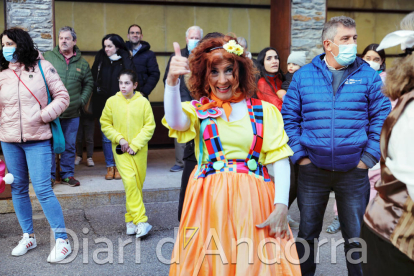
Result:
pixel 286 83
pixel 146 67
pixel 107 80
pixel 184 92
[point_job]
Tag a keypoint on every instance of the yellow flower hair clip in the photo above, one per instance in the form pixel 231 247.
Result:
pixel 232 47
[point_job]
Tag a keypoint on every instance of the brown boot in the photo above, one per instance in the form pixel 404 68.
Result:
pixel 110 174
pixel 117 175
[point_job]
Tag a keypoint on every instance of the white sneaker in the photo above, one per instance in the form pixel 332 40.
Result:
pixel 25 244
pixel 131 228
pixel 78 159
pixel 61 250
pixel 89 162
pixel 142 229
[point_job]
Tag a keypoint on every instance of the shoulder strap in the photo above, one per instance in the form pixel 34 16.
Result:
pixel 255 109
pixel 211 152
pixel 27 89
pixel 212 140
pixel 49 98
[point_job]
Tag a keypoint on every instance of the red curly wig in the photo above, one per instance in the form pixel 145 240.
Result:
pixel 201 61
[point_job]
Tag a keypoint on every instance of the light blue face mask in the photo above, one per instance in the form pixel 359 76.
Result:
pixel 192 43
pixel 347 54
pixel 8 53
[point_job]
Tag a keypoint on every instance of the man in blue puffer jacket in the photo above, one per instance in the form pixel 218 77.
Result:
pixel 333 114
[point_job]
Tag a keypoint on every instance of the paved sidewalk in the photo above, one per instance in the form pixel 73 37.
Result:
pixel 160 184
pixel 99 229
pixel 92 179
pixel 97 207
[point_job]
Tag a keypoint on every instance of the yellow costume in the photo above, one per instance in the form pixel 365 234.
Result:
pixel 221 210
pixel 133 120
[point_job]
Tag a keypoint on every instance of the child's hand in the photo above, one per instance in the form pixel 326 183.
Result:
pixel 130 151
pixel 281 93
pixel 124 145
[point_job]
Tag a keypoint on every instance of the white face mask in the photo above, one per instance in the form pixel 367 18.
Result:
pixel 374 65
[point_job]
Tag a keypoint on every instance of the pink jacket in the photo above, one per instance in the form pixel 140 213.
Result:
pixel 21 116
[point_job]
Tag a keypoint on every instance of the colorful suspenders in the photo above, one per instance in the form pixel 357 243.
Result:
pixel 217 159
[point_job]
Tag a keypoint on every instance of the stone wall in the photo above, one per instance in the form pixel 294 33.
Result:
pixel 308 17
pixel 34 16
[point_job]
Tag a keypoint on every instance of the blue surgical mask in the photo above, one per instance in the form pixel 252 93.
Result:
pixel 192 43
pixel 347 54
pixel 8 53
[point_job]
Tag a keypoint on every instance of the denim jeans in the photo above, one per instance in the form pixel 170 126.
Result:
pixel 351 192
pixel 107 150
pixel 67 158
pixel 35 158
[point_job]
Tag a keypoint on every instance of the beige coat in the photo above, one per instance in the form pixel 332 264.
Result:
pixel 21 116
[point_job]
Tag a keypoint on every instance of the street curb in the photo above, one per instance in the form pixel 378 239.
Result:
pixel 95 199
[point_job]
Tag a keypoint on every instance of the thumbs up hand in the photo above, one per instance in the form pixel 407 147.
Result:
pixel 178 66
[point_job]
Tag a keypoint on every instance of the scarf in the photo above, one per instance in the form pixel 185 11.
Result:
pixel 237 97
pixel 115 57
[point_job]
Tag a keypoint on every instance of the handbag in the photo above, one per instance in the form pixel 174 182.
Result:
pixel 57 133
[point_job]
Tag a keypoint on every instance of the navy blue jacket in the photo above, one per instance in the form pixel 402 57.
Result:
pixel 334 132
pixel 146 67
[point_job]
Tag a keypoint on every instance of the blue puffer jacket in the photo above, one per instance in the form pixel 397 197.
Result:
pixel 335 131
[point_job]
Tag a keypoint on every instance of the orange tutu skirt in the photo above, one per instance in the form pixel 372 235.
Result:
pixel 218 233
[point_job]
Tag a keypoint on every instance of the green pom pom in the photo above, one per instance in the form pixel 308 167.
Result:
pixel 218 165
pixel 252 164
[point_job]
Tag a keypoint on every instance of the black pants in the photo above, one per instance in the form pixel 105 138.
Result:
pixel 383 258
pixel 189 163
pixel 293 191
pixel 86 130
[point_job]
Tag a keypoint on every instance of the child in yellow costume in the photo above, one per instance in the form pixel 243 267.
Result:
pixel 127 120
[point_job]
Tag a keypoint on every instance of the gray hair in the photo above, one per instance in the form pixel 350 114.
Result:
pixel 70 29
pixel 330 27
pixel 242 41
pixel 408 22
pixel 197 28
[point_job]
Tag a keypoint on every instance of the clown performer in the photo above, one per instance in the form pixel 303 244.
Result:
pixel 4 179
pixel 234 217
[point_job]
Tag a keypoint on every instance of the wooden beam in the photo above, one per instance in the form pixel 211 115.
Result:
pixel 280 29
